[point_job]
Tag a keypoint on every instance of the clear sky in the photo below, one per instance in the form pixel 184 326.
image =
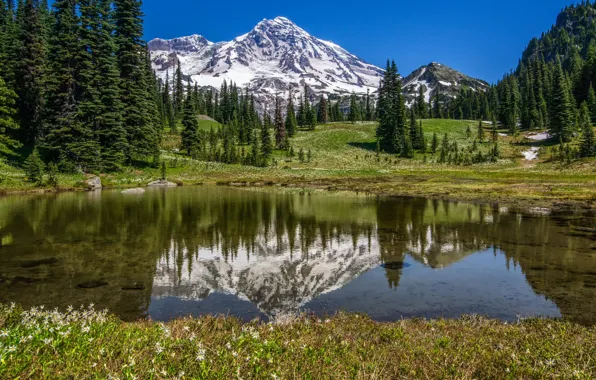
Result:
pixel 481 38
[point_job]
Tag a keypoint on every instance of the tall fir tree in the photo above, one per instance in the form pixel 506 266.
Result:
pixel 561 109
pixel 8 124
pixel 29 72
pixel 291 122
pixel 266 146
pixel 142 134
pixel 190 122
pixel 280 128
pixel 588 143
pixel 112 135
pixel 323 110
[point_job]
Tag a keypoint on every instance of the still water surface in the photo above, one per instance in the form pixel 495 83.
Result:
pixel 252 253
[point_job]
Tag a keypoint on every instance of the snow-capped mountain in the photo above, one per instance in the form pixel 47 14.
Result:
pixel 436 78
pixel 275 57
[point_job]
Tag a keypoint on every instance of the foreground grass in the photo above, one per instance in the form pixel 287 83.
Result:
pixel 89 344
pixel 344 158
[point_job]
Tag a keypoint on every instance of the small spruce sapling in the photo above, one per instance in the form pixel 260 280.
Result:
pixel 34 167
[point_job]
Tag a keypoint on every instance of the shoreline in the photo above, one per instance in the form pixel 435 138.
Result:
pixel 398 186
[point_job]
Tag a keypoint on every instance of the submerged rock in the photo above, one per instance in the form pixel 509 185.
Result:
pixel 94 183
pixel 36 263
pixel 92 284
pixel 162 183
pixel 137 190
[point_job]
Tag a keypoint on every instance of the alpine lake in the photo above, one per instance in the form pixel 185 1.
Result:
pixel 264 253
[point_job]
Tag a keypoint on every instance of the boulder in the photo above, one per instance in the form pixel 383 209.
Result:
pixel 162 183
pixel 94 183
pixel 137 190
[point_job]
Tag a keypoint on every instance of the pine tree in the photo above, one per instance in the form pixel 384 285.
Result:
pixel 168 106
pixel 142 134
pixel 256 151
pixel 368 107
pixel 178 92
pixel 322 113
pixel 72 97
pixel 29 72
pixel 190 122
pixel 112 135
pixel 266 148
pixel 7 122
pixel 421 108
pixel 435 143
pixel 494 131
pixel 34 168
pixel 280 128
pixel 561 109
pixel 354 114
pixel 588 143
pixel 291 123
pixel 592 103
pixel 480 131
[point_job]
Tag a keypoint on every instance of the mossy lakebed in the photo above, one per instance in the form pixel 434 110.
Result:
pixel 84 343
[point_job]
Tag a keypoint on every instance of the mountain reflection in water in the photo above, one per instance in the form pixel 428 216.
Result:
pixel 253 253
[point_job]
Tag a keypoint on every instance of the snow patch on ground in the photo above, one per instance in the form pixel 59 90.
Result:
pixel 541 136
pixel 531 154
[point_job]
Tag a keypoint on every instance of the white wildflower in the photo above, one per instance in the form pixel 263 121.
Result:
pixel 47 341
pixel 12 349
pixel 86 329
pixel 228 346
pixel 186 328
pixel 3 333
pixel 201 355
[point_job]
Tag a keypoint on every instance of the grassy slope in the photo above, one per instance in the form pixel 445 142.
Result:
pixel 88 344
pixel 344 158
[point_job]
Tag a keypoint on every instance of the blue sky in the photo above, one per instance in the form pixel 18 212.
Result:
pixel 481 38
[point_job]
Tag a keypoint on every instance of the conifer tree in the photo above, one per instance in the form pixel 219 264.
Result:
pixel 190 122
pixel 354 114
pixel 256 151
pixel 112 135
pixel 322 113
pixel 291 123
pixel 142 134
pixel 592 103
pixel 494 131
pixel 178 92
pixel 71 96
pixel 435 143
pixel 280 128
pixel 168 106
pixel 34 168
pixel 29 72
pixel 421 108
pixel 588 143
pixel 561 109
pixel 368 107
pixel 480 135
pixel 266 147
pixel 7 122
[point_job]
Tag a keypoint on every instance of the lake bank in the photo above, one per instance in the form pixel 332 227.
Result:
pixel 86 343
pixel 512 188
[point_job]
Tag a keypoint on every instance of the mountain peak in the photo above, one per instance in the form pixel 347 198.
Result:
pixel 436 78
pixel 274 57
